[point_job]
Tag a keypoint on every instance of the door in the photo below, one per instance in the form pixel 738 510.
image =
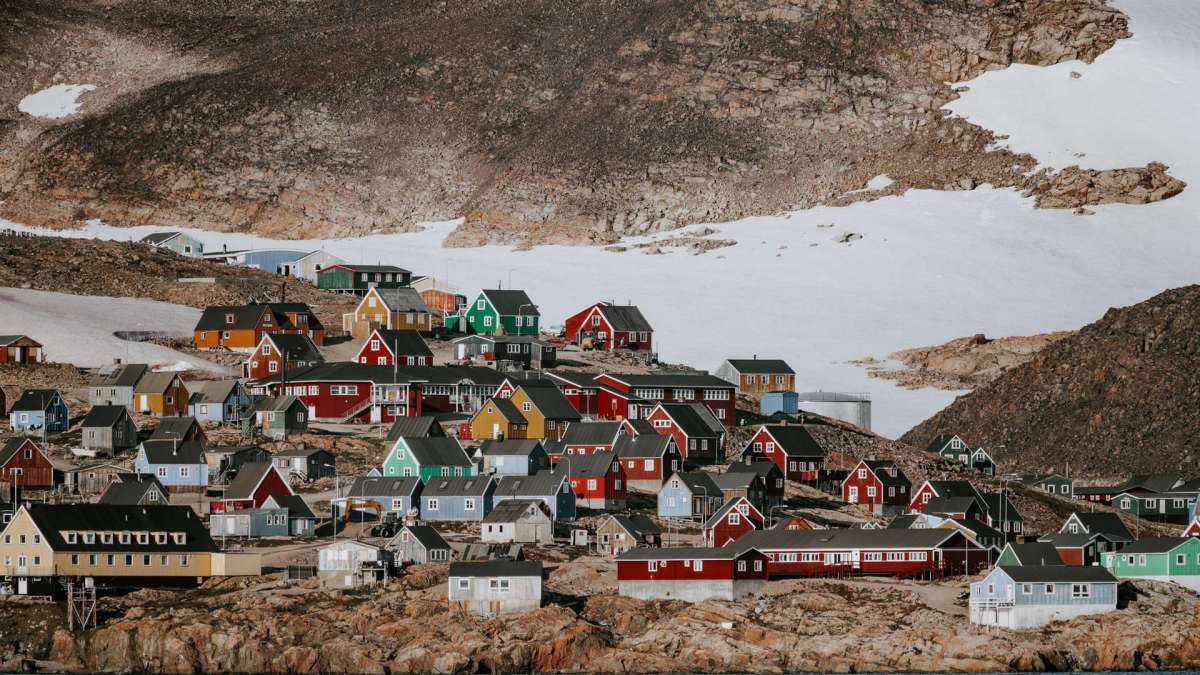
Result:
pixel 495 431
pixel 853 494
pixel 144 402
pixel 231 526
pixel 22 586
pixel 312 412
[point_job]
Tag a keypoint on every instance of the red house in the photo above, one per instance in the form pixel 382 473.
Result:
pixel 699 436
pixel 1193 528
pixel 649 460
pixel 876 483
pixel 352 392
pixel 797 454
pixel 383 347
pixel 278 351
pixel 23 464
pixel 733 520
pixel 710 391
pixel 598 400
pixel 598 480
pixel 254 483
pixel 691 574
pixel 947 490
pixel 611 327
pixel 20 349
pixel 927 553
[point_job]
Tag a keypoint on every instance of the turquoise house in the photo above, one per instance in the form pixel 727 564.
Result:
pixel 503 312
pixel 427 458
pixel 1174 559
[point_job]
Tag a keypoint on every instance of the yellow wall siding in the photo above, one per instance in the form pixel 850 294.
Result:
pixel 536 421
pixel 33 547
pixel 199 565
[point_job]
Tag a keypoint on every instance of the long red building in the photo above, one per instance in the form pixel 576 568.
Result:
pixel 691 574
pixel 929 553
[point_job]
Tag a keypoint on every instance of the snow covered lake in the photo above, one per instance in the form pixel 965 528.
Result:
pixel 930 266
pixel 79 329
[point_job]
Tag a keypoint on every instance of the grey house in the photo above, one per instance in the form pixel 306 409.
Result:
pixel 136 489
pixel 305 464
pixel 458 498
pixel 113 384
pixel 418 544
pixel 178 429
pixel 522 457
pixel 551 488
pixel 93 478
pixel 524 349
pixel 306 267
pixel 262 522
pixel 371 493
pixel 301 521
pixel 108 428
pixel 175 241
pixel 524 521
pixel 495 587
pixel 278 417
pixel 224 462
pixel 421 426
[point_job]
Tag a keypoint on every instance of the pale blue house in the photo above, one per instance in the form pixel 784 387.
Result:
pixel 218 401
pixel 174 464
pixel 515 456
pixel 39 409
pixel 457 498
pixel 178 242
pixel 689 495
pixel 1029 596
pixel 551 488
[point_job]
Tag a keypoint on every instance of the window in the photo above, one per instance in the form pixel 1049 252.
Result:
pixel 74 558
pixel 146 560
pixel 1081 590
pixel 1180 559
pixel 741 567
pixel 652 565
pixel 89 537
pixel 469 504
pixel 183 560
pixel 70 538
pixel 662 424
pixel 870 491
pixel 432 504
pixel 1026 589
pixel 498 585
pixel 1125 504
pixel 487 321
pixel 735 518
pixel 894 556
pixel 162 472
pixel 1142 559
pixel 481 304
pixel 129 560
pixel 862 474
pixel 750 379
pixel 160 538
pixel 1048 589
pixel 699 566
pixel 272 366
pixel 163 561
pixel 184 471
pixel 874 556
pixel 591 484
pixel 464 583
pixel 921 556
pixel 648 465
pixel 526 406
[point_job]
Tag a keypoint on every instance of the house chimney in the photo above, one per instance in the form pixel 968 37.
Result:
pixel 116 360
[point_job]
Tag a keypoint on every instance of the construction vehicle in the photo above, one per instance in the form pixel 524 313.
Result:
pixel 351 503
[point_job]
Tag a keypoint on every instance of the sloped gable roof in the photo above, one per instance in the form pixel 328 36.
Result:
pixel 104 416
pixel 296 346
pixel 248 479
pixel 170 452
pixel 510 302
pixel 384 486
pixel 402 342
pixel 591 433
pixel 123 375
pixel 795 441
pixel 625 318
pixel 761 366
pixel 35 399
pixel 437 451
pixel 551 403
pixel 403 299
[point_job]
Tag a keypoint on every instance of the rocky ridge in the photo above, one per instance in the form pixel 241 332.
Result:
pixel 962 363
pixel 541 121
pixel 1117 396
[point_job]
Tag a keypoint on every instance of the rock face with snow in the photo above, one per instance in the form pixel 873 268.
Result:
pixel 1116 398
pixel 538 121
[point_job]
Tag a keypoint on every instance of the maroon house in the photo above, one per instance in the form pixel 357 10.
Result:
pixel 691 574
pixel 928 553
pixel 277 352
pixel 876 483
pixel 598 480
pixel 254 484
pixel 797 454
pixel 699 435
pixel 23 464
pixel 710 391
pixel 610 327
pixel 384 347
pixel 649 460
pixel 732 521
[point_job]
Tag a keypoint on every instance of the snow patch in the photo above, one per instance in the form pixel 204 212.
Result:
pixel 880 182
pixel 55 102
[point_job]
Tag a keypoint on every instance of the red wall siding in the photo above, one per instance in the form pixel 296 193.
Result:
pixel 271 486
pixel 1071 556
pixel 724 531
pixel 36 472
pixel 676 570
pixel 918 499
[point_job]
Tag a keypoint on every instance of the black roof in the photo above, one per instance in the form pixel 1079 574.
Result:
pixel 35 399
pixel 1155 545
pixel 795 441
pixel 511 302
pixel 369 268
pixel 54 519
pixel 884 469
pixel 402 299
pixel 457 486
pixel 1160 482
pixel 211 391
pixel 104 416
pixel 1104 523
pixel 384 486
pixel 938 442
pixel 625 318
pixel 1058 573
pixel 118 375
pixel 427 536
pixel 999 504
pixel 638 525
pixel 296 346
pixel 592 464
pixel 591 433
pixel 170 452
pixel 852 538
pixel 497 568
pixel 403 342
pixel 173 427
pixel 757 365
pixel 762 467
pixel 672 379
pixel 542 484
pixel 513 510
pixel 684 553
pixel 693 419
pixel 296 506
pixel 698 482
pixel 412 427
pixel 644 445
pixel 735 480
pixel 1036 553
pixel 507 409
pixel 129 493
pixel 437 451
pixel 247 316
pixel 513 446
pixel 158 237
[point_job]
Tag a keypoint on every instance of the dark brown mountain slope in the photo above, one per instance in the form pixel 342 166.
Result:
pixel 539 120
pixel 1120 396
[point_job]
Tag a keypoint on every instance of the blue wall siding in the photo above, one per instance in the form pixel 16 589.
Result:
pixel 562 504
pixel 454 508
pixel 1004 587
pixel 269 260
pixel 683 501
pixel 197 473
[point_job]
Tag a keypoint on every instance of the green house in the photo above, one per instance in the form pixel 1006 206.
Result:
pixel 1052 483
pixel 1167 507
pixel 427 458
pixel 358 279
pixel 1174 559
pixel 503 312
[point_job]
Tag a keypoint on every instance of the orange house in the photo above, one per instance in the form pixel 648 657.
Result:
pixel 161 394
pixel 242 328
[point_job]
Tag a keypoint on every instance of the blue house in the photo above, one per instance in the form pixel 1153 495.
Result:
pixel 786 402
pixel 689 495
pixel 552 488
pixel 370 493
pixel 515 456
pixel 1029 596
pixel 38 409
pixel 459 498
pixel 174 464
pixel 218 401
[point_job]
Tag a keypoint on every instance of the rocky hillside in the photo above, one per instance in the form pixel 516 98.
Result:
pixel 1116 398
pixel 962 363
pixel 539 120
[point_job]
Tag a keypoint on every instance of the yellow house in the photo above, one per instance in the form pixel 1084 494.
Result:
pixel 161 394
pixel 545 409
pixel 138 545
pixel 498 418
pixel 390 309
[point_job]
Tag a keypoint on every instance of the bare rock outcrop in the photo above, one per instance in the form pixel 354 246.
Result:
pixel 1074 187
pixel 963 363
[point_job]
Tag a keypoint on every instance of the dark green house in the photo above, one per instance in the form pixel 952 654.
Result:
pixel 1052 483
pixel 503 312
pixel 357 279
pixel 1167 507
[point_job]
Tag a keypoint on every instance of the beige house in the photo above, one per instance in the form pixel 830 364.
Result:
pixel 388 308
pixel 112 544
